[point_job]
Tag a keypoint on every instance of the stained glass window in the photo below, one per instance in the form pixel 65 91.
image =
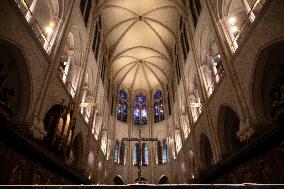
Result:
pixel 136 155
pixel 122 106
pixel 116 151
pixel 140 110
pixel 165 153
pixel 158 107
pixel 145 159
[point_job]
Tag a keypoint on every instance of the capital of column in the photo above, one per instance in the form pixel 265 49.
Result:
pixel 247 129
pixel 37 129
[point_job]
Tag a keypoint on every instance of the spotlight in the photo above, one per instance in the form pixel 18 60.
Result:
pixel 234 29
pixel 48 29
pixel 232 20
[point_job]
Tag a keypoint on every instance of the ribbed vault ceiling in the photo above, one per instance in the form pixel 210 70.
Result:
pixel 140 37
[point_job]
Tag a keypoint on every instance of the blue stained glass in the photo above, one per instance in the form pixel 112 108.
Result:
pixel 123 94
pixel 165 153
pixel 158 107
pixel 122 107
pixel 140 110
pixel 116 149
pixel 145 154
pixel 135 155
pixel 157 95
pixel 140 99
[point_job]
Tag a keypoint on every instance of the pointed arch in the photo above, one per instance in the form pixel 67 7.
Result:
pixel 140 110
pixel 116 153
pixel 122 107
pixel 229 125
pixel 15 79
pixel 158 106
pixel 206 153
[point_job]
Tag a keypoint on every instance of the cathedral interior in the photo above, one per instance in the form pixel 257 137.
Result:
pixel 116 92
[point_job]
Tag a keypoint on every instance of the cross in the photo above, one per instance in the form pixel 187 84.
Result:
pixel 140 139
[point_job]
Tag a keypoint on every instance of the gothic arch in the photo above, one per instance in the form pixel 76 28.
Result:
pixel 78 48
pixel 228 126
pixel 49 18
pixel 269 64
pixel 118 180
pixel 210 64
pixel 206 152
pixel 163 179
pixel 70 61
pixel 77 149
pixel 191 164
pixel 18 77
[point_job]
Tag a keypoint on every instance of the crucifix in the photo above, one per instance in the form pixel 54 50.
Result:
pixel 139 140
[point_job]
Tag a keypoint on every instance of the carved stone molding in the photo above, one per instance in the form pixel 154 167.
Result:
pixel 37 129
pixel 247 129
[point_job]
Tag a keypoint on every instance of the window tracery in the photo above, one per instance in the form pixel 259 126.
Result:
pixel 69 65
pixel 140 110
pixel 194 97
pixel 136 155
pixel 165 153
pixel 116 153
pixel 45 18
pixel 237 18
pixel 211 68
pixel 122 109
pixel 145 154
pixel 158 107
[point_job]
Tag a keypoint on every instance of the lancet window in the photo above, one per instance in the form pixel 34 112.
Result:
pixel 116 153
pixel 122 106
pixel 140 110
pixel 158 107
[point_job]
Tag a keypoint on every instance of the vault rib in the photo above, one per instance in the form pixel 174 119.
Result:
pixel 160 57
pixel 160 38
pixel 157 9
pixel 164 73
pixel 161 83
pixel 135 75
pixel 120 82
pixel 143 47
pixel 119 7
pixel 128 64
pixel 118 24
pixel 144 72
pixel 122 36
pixel 163 25
pixel 123 57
